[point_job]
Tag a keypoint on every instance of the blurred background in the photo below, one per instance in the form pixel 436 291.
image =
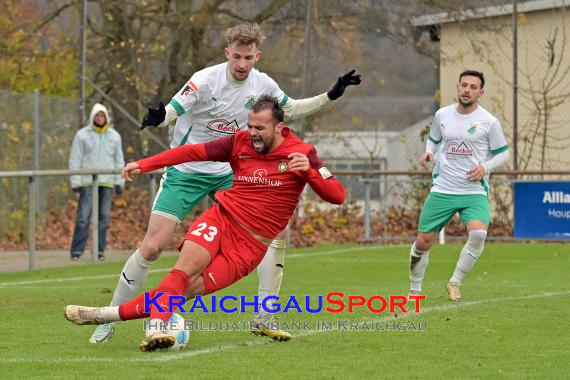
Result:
pixel 57 58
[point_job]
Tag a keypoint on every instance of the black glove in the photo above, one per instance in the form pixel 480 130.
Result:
pixel 76 189
pixel 154 116
pixel 119 190
pixel 348 79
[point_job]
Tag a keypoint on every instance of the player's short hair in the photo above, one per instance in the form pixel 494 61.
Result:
pixel 268 102
pixel 245 35
pixel 473 73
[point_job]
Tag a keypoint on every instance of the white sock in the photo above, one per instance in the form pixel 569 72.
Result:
pixel 418 264
pixel 132 277
pixel 110 314
pixel 469 255
pixel 270 271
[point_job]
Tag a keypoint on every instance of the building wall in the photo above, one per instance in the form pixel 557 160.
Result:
pixel 374 150
pixel 543 74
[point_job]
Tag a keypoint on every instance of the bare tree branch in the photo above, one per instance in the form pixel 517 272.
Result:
pixel 270 10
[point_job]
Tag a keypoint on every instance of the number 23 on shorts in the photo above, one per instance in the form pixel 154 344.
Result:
pixel 207 232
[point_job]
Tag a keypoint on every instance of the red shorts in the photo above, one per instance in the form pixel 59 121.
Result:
pixel 235 253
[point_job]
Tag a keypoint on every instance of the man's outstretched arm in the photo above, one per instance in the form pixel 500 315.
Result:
pixel 217 150
pixel 327 187
pixel 297 108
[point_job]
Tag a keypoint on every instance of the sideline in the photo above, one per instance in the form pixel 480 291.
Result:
pixel 115 275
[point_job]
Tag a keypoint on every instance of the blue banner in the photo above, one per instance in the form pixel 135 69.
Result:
pixel 542 210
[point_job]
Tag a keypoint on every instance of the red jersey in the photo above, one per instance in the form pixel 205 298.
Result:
pixel 264 192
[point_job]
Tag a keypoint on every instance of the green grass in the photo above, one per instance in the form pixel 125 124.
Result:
pixel 513 322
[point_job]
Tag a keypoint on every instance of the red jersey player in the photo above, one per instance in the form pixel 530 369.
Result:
pixel 271 168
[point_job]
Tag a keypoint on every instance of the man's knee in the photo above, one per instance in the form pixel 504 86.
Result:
pixel 82 222
pixel 157 237
pixel 152 247
pixel 424 241
pixel 193 259
pixel 196 287
pixel 476 240
pixel 150 251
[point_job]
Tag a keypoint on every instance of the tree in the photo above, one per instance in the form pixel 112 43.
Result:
pixel 33 53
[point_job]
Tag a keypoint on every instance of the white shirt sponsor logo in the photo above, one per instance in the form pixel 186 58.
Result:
pixel 259 178
pixel 223 126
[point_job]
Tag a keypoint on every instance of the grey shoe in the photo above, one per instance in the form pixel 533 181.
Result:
pixel 103 333
pixel 453 292
pixel 265 324
pixel 83 315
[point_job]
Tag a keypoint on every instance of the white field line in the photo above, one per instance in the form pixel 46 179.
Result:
pixel 165 357
pixel 104 276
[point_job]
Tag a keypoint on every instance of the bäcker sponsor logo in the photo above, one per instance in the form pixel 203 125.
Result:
pixel 223 126
pixel 555 197
pixel 260 178
pixel 459 149
pixel 336 302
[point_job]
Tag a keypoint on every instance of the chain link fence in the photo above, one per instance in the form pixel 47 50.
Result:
pixel 35 133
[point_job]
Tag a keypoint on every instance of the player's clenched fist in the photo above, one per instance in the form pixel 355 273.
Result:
pixel 426 157
pixel 298 162
pixel 476 173
pixel 130 169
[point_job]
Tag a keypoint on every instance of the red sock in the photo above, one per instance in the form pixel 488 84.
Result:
pixel 134 309
pixel 173 284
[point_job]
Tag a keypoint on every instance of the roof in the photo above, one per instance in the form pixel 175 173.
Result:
pixel 486 12
pixel 356 145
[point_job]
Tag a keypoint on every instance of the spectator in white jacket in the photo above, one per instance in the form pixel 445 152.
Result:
pixel 95 146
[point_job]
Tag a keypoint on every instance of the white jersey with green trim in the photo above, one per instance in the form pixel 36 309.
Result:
pixel 212 105
pixel 463 141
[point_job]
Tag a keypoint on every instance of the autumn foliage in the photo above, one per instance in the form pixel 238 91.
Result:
pixel 129 218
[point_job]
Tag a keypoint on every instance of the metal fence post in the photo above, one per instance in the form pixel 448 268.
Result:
pixel 37 141
pixel 32 223
pixel 95 217
pixel 82 60
pixel 36 129
pixel 366 211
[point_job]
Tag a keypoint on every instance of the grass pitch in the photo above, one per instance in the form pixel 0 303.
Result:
pixel 513 321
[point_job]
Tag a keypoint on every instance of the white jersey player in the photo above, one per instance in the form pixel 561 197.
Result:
pixel 463 142
pixel 213 104
pixel 467 143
